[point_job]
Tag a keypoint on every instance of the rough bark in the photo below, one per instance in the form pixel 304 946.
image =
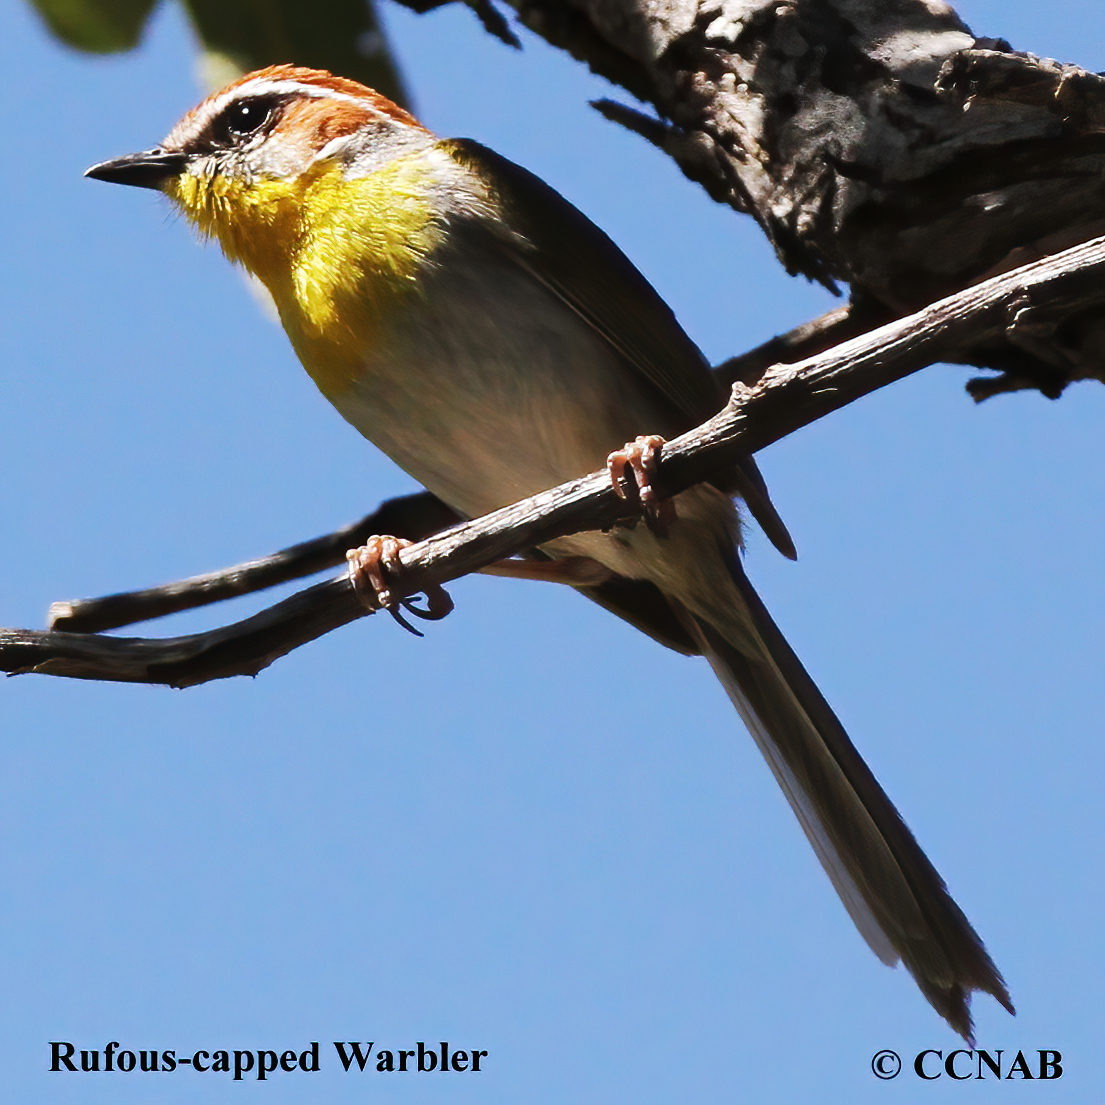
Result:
pixel 878 143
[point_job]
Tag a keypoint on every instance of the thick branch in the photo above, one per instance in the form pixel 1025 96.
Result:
pixel 786 398
pixel 880 144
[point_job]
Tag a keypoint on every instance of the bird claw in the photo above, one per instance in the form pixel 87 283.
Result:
pixel 641 458
pixel 369 569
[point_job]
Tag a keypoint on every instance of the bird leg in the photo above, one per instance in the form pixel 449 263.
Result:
pixel 369 569
pixel 371 565
pixel 641 457
pixel 575 571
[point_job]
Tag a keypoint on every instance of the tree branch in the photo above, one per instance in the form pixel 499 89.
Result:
pixel 412 516
pixel 786 398
pixel 882 145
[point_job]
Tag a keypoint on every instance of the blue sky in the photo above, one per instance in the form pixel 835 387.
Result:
pixel 533 832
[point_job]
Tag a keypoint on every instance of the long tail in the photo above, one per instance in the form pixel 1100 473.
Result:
pixel 894 895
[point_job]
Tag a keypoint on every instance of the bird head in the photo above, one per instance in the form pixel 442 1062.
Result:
pixel 322 188
pixel 262 163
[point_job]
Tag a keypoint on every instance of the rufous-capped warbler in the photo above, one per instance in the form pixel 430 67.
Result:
pixel 495 343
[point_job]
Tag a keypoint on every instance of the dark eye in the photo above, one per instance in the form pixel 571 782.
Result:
pixel 245 117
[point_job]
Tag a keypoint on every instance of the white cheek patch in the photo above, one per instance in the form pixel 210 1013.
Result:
pixel 335 148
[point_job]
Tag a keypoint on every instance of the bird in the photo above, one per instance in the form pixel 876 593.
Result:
pixel 490 339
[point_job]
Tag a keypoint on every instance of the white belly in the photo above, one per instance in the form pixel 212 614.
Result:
pixel 496 391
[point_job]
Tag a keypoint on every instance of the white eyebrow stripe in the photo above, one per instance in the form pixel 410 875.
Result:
pixel 263 86
pixel 260 86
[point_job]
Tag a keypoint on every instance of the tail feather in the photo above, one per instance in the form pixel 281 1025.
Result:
pixel 750 486
pixel 892 892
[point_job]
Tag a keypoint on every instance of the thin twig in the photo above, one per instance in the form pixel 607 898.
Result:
pixel 411 516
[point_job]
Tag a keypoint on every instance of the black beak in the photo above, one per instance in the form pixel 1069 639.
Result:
pixel 149 169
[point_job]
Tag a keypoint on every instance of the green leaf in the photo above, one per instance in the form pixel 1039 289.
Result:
pixel 97 26
pixel 342 36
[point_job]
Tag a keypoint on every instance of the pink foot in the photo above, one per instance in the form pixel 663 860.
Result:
pixel 370 567
pixel 641 457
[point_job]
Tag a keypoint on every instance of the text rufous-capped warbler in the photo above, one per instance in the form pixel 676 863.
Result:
pixel 494 343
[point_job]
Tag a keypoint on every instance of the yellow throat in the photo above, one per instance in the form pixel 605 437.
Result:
pixel 336 254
